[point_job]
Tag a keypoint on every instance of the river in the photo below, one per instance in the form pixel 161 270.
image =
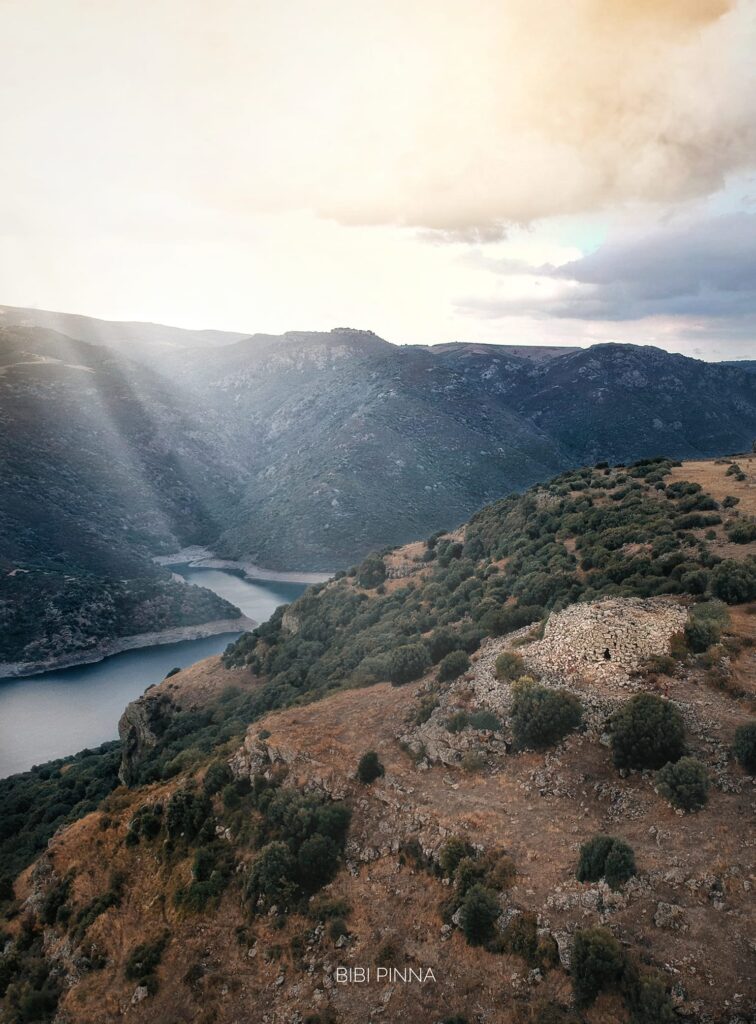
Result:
pixel 58 713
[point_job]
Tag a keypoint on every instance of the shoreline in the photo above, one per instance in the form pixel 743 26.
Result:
pixel 25 669
pixel 203 558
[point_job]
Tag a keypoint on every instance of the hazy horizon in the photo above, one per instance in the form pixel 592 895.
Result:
pixel 562 176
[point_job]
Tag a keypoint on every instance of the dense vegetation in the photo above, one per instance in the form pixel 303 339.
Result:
pixel 36 803
pixel 630 534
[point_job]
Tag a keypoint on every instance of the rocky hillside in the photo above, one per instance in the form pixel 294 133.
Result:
pixel 119 442
pixel 507 770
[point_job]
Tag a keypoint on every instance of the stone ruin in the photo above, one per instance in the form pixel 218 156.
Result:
pixel 606 639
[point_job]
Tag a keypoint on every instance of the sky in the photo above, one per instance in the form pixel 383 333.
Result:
pixel 507 171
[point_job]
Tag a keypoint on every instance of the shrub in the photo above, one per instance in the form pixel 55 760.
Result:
pixel 470 871
pixel 647 999
pixel 271 878
pixel 144 959
pixel 509 666
pixel 685 784
pixel 452 852
pixel 485 720
pixel 453 665
pixel 480 909
pixel 337 928
pixel 597 963
pixel 186 814
pixel 702 634
pixel 606 857
pixel 620 864
pixel 742 532
pixel 458 721
pixel 744 746
pixel 372 572
pixel 647 732
pixel 216 777
pixel 407 663
pixel 317 861
pixel 440 643
pixel 734 582
pixel 541 716
pixel 369 768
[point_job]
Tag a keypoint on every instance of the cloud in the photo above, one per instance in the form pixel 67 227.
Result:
pixel 459 116
pixel 703 268
pixel 688 285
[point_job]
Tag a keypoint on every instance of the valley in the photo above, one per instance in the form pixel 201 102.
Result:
pixel 300 452
pixel 55 713
pixel 237 847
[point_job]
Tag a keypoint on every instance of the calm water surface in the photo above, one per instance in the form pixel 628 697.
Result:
pixel 58 713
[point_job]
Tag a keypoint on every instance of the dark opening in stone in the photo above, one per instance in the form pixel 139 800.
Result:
pixel 607 655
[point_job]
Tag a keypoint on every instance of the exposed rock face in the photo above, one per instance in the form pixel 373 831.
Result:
pixel 139 728
pixel 146 718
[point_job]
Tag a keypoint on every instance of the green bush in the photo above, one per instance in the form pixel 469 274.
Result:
pixel 451 853
pixel 509 666
pixel 272 877
pixel 701 635
pixel 744 746
pixel 742 531
pixel 484 720
pixel 458 721
pixel 453 665
pixel 369 768
pixel 480 910
pixel 606 857
pixel 216 777
pixel 647 732
pixel 408 663
pixel 542 716
pixel 372 572
pixel 620 864
pixel 597 963
pixel 647 999
pixel 685 784
pixel 734 582
pixel 185 815
pixel 317 862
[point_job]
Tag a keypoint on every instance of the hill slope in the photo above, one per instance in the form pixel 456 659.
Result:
pixel 232 878
pixel 303 451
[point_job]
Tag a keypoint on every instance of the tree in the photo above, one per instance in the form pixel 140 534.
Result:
pixel 372 572
pixel 271 878
pixel 542 716
pixel 597 963
pixel 407 663
pixel 647 732
pixel 317 861
pixel 480 910
pixel 453 665
pixel 606 857
pixel 685 784
pixel 369 768
pixel 744 746
pixel 620 864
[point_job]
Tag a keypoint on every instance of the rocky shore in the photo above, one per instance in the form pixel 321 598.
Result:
pixel 15 669
pixel 203 558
